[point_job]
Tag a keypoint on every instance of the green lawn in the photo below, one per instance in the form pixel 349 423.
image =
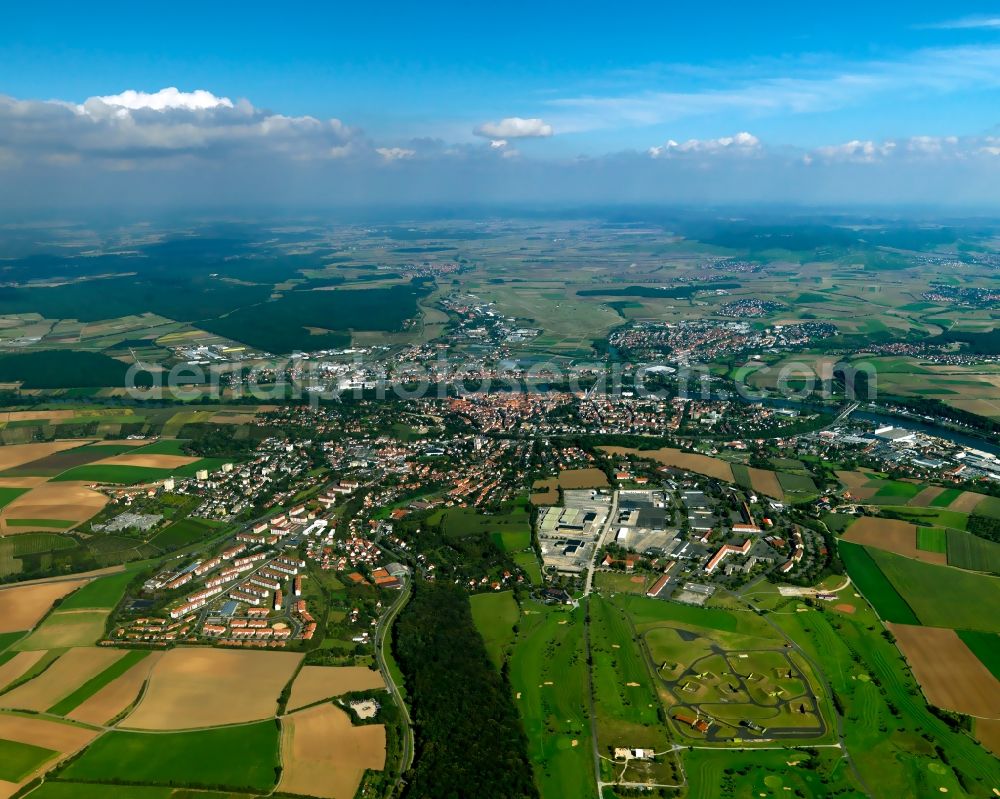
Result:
pixel 548 674
pixel 941 596
pixel 495 616
pixel 182 533
pixel 18 760
pixel 51 789
pixel 932 539
pixel 870 581
pixel 986 647
pixel 96 683
pixel 238 758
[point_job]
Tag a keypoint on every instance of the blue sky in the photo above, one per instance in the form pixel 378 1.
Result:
pixel 413 80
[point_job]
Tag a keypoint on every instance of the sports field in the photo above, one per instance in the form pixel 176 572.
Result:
pixel 548 675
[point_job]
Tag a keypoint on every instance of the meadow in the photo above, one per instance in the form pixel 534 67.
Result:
pixel 495 616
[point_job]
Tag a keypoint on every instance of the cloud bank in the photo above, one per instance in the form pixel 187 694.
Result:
pixel 195 149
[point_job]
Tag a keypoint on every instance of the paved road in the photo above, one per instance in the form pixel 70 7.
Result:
pixel 381 634
pixel 588 584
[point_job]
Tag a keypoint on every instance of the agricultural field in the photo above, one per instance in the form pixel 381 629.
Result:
pixel 241 758
pixel 950 675
pixel 875 586
pixel 965 600
pixel 313 684
pixel 324 755
pixel 194 687
pixel 68 673
pixel 22 606
pixel 893 535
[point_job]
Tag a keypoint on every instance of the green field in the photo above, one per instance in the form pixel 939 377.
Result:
pixel 8 495
pixel 18 760
pixel 931 517
pixel 815 775
pixel 495 616
pixel 967 551
pixel 869 579
pixel 182 533
pixel 62 524
pixel 51 789
pixel 102 593
pixel 528 561
pixel 986 647
pixel 945 498
pixel 894 492
pixel 96 683
pixel 512 540
pixel 238 758
pixel 548 674
pixel 932 539
pixel 941 596
pixel 103 473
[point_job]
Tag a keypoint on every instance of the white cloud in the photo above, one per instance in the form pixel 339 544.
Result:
pixel 139 129
pixel 498 144
pixel 967 23
pixel 164 99
pixel 395 153
pixel 514 128
pixel 856 151
pixel 742 143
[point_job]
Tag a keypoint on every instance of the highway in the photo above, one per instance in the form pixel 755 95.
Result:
pixel 381 634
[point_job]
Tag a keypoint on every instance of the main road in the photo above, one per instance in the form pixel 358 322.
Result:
pixel 588 583
pixel 381 634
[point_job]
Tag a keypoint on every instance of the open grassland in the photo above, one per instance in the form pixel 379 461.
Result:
pixel 113 698
pixel 69 628
pixel 944 597
pixel 240 758
pixel 62 678
pixel 22 606
pixel 191 687
pixel 323 755
pixel 548 675
pixel 875 586
pixel 675 458
pixel 495 616
pixel 891 535
pixel 315 683
pixel 950 675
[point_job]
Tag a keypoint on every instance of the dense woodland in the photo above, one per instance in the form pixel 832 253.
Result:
pixel 469 739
